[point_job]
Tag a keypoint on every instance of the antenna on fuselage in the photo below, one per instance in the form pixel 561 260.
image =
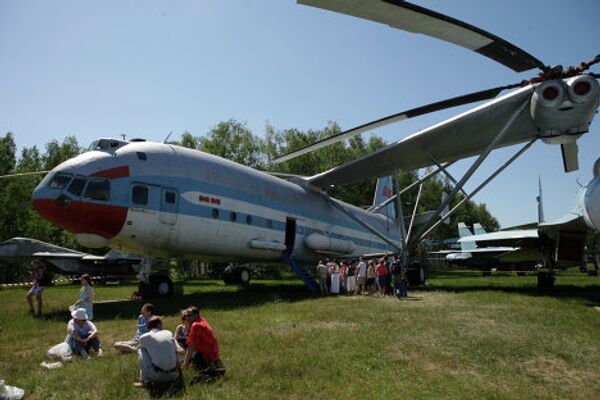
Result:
pixel 168 136
pixel 124 136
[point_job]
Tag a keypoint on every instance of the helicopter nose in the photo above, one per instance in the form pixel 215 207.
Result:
pixel 76 213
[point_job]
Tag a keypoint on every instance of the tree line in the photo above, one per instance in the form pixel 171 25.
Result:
pixel 228 139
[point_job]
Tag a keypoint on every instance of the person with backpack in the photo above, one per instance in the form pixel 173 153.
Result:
pixel 39 278
pixel 397 276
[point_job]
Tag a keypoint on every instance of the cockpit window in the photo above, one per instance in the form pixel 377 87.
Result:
pixel 76 186
pixel 60 181
pixel 98 189
pixel 108 145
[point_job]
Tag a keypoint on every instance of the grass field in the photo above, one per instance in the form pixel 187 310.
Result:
pixel 463 336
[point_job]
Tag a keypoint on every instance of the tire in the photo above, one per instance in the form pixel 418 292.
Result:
pixel 416 275
pixel 244 276
pixel 545 281
pixel 236 276
pixel 145 290
pixel 161 285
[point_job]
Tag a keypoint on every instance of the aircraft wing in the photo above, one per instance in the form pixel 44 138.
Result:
pixel 47 254
pixel 464 135
pixel 515 238
pixel 410 17
pixel 572 223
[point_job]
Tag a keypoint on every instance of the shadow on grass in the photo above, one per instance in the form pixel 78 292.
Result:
pixel 253 295
pixel 589 293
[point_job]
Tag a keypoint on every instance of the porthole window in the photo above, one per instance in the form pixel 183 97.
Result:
pixel 248 219
pixel 139 195
pixel 170 197
pixel 141 156
pixel 215 213
pixel 233 216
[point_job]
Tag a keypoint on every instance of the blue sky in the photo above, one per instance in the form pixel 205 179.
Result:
pixel 143 69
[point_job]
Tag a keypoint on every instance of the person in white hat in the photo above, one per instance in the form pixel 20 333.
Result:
pixel 82 334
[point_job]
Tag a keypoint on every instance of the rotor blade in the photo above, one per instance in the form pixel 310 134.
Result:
pixel 415 112
pixel 410 17
pixel 23 174
pixel 569 156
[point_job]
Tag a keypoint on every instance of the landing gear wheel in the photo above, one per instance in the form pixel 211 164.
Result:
pixel 244 276
pixel 161 285
pixel 236 276
pixel 416 275
pixel 545 282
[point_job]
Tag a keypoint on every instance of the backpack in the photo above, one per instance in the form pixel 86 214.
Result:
pixel 46 279
pixel 396 268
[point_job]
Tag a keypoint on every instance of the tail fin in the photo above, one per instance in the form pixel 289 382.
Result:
pixel 463 231
pixel 383 191
pixel 540 202
pixel 478 229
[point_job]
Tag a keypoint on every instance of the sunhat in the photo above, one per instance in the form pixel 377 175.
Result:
pixel 80 314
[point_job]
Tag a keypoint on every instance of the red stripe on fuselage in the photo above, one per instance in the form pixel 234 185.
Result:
pixel 114 173
pixel 83 217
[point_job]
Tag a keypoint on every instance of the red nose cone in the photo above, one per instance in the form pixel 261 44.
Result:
pixel 82 217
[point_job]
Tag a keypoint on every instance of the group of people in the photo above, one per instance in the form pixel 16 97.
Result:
pixel 383 276
pixel 160 353
pixel 40 279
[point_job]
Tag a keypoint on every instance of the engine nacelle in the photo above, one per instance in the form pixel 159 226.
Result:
pixel 326 244
pixel 562 110
pixel 91 240
pixel 591 204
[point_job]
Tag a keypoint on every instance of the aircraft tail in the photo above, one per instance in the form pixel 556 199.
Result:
pixel 464 231
pixel 383 191
pixel 478 229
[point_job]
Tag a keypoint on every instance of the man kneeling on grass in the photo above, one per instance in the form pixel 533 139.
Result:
pixel 203 342
pixel 156 355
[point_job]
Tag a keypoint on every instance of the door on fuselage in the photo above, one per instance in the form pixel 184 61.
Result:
pixel 290 236
pixel 169 206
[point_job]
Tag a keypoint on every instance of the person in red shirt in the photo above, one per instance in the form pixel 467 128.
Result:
pixel 382 276
pixel 203 349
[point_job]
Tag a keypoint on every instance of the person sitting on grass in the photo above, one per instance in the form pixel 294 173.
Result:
pixel 82 334
pixel 156 355
pixel 182 332
pixel 203 342
pixel 129 346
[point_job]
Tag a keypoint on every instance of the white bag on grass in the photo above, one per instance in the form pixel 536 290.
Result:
pixel 10 392
pixel 61 351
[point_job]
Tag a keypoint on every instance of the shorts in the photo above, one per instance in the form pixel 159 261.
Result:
pixel 36 290
pixel 362 280
pixel 370 281
pixel 383 281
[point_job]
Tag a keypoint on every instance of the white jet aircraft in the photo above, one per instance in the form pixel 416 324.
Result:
pixel 160 199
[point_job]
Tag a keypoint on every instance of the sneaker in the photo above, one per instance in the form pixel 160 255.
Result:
pixel 100 352
pixel 138 385
pixel 85 355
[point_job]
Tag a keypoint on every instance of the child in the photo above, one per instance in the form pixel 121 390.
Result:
pixel 129 346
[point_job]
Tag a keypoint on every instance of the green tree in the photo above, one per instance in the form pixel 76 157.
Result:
pixel 233 141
